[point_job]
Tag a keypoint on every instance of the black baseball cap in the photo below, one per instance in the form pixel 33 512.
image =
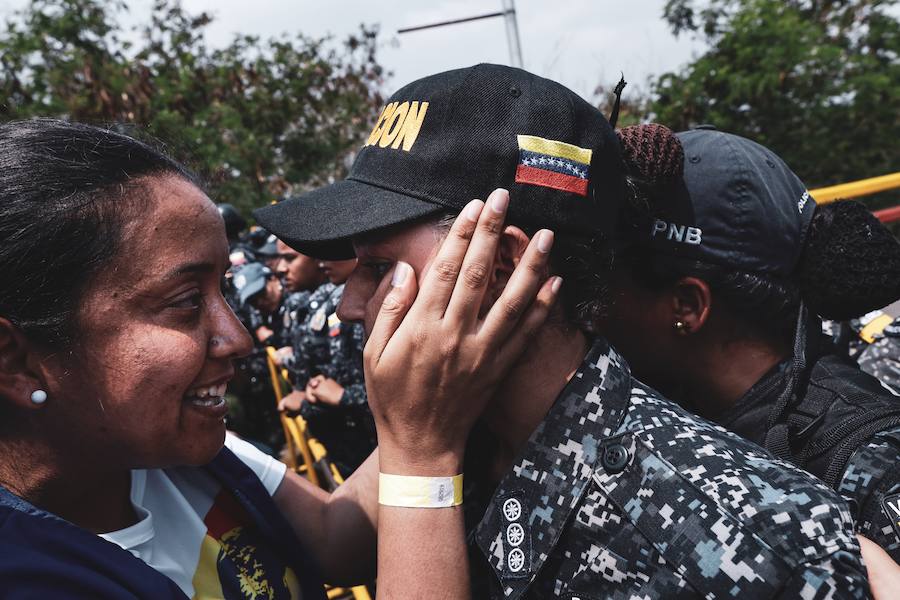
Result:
pixel 445 139
pixel 738 205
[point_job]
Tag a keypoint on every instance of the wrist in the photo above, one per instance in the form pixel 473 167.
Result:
pixel 398 460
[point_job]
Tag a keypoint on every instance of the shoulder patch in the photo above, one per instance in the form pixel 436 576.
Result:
pixel 891 507
pixel 318 320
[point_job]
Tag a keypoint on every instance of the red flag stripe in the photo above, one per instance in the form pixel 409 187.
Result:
pixel 551 179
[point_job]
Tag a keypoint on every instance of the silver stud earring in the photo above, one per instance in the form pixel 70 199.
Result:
pixel 679 325
pixel 38 396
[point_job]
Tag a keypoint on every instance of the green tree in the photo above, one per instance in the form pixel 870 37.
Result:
pixel 258 118
pixel 818 81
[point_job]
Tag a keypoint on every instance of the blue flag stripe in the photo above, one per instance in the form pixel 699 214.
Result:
pixel 552 163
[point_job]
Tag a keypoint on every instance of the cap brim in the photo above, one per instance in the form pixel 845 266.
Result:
pixel 322 223
pixel 251 289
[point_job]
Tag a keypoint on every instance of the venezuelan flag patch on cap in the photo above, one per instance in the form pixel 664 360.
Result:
pixel 553 164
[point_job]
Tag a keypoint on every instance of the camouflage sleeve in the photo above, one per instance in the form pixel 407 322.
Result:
pixel 347 366
pixel 881 359
pixel 836 576
pixel 872 482
pixel 299 366
pixel 354 395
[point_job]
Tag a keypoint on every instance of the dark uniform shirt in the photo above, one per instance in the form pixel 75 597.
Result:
pixel 291 315
pixel 326 346
pixel 621 493
pixel 872 480
pixel 829 439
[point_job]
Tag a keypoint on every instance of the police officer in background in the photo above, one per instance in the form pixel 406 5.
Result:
pixel 726 264
pixel 301 276
pixel 329 388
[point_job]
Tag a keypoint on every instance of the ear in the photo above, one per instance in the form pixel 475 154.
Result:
pixel 691 303
pixel 510 250
pixel 17 378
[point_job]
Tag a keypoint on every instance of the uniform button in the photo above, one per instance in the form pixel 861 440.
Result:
pixel 615 457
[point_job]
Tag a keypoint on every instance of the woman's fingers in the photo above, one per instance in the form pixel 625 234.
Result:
pixel 520 290
pixel 393 309
pixel 439 281
pixel 478 264
pixel 536 315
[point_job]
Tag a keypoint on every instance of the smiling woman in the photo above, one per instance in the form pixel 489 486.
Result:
pixel 115 351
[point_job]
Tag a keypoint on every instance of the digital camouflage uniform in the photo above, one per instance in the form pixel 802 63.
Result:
pixel 881 358
pixel 326 346
pixel 289 319
pixel 845 430
pixel 310 344
pixel 621 493
pixel 872 480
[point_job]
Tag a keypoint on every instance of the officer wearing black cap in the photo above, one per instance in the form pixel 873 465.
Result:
pixel 717 301
pixel 589 483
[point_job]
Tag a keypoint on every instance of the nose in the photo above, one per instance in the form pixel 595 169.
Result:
pixel 353 301
pixel 281 267
pixel 228 337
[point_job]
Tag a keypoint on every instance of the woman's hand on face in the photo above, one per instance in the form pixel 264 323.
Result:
pixel 431 362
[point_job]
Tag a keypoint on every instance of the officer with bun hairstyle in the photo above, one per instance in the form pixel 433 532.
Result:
pixel 726 265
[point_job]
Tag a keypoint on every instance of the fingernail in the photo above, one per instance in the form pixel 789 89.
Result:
pixel 473 209
pixel 557 283
pixel 499 200
pixel 545 240
pixel 401 272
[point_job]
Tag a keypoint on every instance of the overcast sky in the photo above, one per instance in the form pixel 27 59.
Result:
pixel 578 42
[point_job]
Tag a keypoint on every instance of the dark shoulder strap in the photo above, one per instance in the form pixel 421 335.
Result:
pixel 249 491
pixel 44 556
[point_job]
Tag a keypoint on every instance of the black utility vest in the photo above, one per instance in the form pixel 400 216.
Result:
pixel 844 428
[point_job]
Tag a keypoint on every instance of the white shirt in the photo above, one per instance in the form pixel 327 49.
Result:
pixel 191 530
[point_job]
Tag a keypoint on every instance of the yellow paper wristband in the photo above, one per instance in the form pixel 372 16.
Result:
pixel 420 492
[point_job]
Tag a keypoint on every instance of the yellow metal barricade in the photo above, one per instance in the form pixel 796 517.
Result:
pixel 295 433
pixel 297 438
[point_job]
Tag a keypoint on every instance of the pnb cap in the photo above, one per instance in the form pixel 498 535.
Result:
pixel 443 140
pixel 250 279
pixel 739 206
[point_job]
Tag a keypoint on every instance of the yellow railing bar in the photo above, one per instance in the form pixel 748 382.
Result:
pixel 294 431
pixel 854 189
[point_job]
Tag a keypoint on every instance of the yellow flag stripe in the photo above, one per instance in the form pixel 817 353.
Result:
pixel 553 148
